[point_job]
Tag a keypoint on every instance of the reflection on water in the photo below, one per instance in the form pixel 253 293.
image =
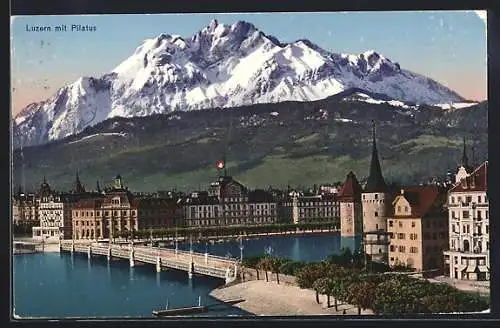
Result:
pixel 79 287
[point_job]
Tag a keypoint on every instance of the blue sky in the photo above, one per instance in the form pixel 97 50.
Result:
pixel 449 46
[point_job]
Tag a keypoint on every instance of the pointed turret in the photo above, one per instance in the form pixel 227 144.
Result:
pixel 98 187
pixel 465 160
pixel 375 182
pixel 118 182
pixel 79 189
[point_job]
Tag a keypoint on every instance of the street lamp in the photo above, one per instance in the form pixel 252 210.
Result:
pixel 241 249
pixel 151 237
pixel 176 245
pixel 191 244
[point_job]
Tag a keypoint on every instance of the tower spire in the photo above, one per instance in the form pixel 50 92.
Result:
pixel 78 184
pixel 98 187
pixel 464 156
pixel 375 182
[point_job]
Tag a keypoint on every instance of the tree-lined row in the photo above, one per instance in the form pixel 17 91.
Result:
pixel 225 231
pixel 387 293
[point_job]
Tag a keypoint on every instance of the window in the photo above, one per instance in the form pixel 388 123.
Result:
pixel 487 229
pixel 400 224
pixel 390 223
pixel 441 235
pixel 453 200
pixel 468 199
pixel 376 227
pixel 401 236
pixel 399 208
pixel 414 250
pixel 468 231
pixel 479 199
pixel 376 196
pixel 434 236
pixel 402 249
pixel 413 236
pixel 463 229
pixel 465 214
pixel 376 214
pixel 406 209
pixel 413 224
pixel 392 248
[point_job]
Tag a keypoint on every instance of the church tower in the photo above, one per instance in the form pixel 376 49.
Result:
pixel 351 213
pixel 375 204
pixel 464 169
pixel 79 189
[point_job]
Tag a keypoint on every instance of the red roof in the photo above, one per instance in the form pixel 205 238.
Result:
pixel 351 189
pixel 476 181
pixel 423 200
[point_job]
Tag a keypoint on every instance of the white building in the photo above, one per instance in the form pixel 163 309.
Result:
pixel 468 257
pixel 54 213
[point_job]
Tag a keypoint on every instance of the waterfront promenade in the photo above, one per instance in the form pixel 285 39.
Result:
pixel 224 238
pixel 284 299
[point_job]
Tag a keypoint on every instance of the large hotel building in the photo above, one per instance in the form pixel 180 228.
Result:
pixel 228 202
pixel 468 257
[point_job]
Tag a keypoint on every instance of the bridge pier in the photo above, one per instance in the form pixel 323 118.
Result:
pixel 89 252
pixel 158 264
pixel 190 270
pixel 131 259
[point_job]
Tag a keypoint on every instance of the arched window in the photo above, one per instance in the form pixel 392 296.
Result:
pixel 466 246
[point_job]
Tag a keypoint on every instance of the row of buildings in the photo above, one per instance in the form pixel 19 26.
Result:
pixel 432 229
pixel 428 228
pixel 101 214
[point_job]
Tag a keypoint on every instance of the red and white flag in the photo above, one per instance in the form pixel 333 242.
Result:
pixel 220 164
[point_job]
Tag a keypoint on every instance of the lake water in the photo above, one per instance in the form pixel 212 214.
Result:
pixel 64 285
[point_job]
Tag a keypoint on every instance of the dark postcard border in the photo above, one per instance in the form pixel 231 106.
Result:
pixel 62 7
pixel 65 7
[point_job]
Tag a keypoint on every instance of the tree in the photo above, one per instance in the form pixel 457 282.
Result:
pixel 321 287
pixel 265 264
pixel 275 264
pixel 362 295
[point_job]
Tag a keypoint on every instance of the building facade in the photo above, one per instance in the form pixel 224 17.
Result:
pixel 25 210
pixel 54 212
pixel 376 200
pixel 118 211
pixel 227 203
pixel 351 210
pixel 418 229
pixel 468 257
pixel 302 208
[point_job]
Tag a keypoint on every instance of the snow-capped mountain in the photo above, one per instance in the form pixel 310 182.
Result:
pixel 220 66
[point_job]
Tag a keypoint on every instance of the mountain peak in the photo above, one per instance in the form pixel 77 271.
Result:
pixel 219 66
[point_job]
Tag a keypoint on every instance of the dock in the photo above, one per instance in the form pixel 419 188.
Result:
pixel 196 309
